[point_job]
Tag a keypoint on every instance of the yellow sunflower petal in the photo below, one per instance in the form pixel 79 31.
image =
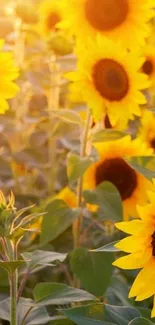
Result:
pixel 115 19
pixel 153 310
pixel 98 90
pixel 129 227
pixel 112 166
pixel 132 261
pixel 143 281
pixel 132 244
pixel 68 196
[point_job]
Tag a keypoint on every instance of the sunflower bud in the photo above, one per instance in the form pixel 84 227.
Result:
pixel 26 12
pixel 60 45
pixel 7 212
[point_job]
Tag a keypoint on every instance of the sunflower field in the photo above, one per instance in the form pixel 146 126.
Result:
pixel 77 162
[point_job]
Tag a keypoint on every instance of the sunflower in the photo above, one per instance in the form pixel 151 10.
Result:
pixel 109 80
pixel 147 129
pixel 8 72
pixel 141 246
pixel 50 14
pixel 111 166
pixel 68 196
pixel 148 66
pixel 115 19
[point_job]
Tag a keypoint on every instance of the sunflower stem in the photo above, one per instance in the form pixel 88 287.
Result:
pixel 77 225
pixel 53 104
pixel 13 291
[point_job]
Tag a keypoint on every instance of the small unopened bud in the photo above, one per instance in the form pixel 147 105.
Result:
pixel 6 214
pixel 60 45
pixel 26 12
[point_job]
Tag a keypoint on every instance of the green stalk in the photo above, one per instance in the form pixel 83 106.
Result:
pixel 77 226
pixel 13 297
pixel 53 104
pixel 13 292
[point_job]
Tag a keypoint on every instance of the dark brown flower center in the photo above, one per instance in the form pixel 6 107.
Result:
pixel 110 80
pixel 152 143
pixel 107 122
pixel 120 174
pixel 148 67
pixel 53 19
pixel 153 244
pixel 92 124
pixel 105 15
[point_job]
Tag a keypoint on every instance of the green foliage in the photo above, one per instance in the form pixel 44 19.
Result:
pixel 37 314
pixel 107 197
pixel 144 165
pixel 39 260
pixel 107 135
pixel 12 266
pixel 68 116
pixel 140 321
pixel 94 269
pixel 120 315
pixel 57 219
pixel 76 166
pixel 87 315
pixel 59 294
pixel 107 248
pixel 60 320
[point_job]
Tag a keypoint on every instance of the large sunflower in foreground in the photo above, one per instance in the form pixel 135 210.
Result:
pixel 8 73
pixel 148 66
pixel 109 80
pixel 141 246
pixel 147 129
pixel 112 167
pixel 125 20
pixel 50 14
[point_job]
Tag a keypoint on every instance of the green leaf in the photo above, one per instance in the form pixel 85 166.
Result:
pixel 38 259
pixel 59 294
pixel 87 315
pixel 76 166
pixel 143 165
pixel 58 320
pixel 58 218
pixel 118 292
pixel 94 269
pixel 140 321
pixel 68 116
pixel 120 315
pixel 107 197
pixel 38 315
pixel 108 135
pixel 11 267
pixel 145 312
pixel 5 309
pixel 107 248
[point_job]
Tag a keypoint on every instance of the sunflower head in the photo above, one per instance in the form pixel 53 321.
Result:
pixel 109 80
pixel 147 129
pixel 68 196
pixel 141 248
pixel 50 14
pixel 148 66
pixel 112 166
pixel 115 19
pixel 8 72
